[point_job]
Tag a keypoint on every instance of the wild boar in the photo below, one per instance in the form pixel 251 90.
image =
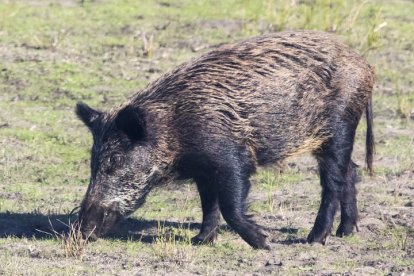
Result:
pixel 218 117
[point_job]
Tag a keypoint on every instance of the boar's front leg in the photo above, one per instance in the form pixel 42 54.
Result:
pixel 211 212
pixel 222 171
pixel 233 187
pixel 232 207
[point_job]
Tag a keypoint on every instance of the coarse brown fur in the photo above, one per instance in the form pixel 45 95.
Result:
pixel 219 116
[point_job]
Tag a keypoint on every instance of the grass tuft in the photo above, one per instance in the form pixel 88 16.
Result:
pixel 73 243
pixel 173 244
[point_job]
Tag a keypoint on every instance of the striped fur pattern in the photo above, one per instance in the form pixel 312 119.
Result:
pixel 218 117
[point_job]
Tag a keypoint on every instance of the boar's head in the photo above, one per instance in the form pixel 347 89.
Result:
pixel 123 167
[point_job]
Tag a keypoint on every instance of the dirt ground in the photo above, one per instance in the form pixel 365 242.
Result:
pixel 55 53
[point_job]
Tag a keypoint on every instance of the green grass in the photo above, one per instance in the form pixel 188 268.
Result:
pixel 55 53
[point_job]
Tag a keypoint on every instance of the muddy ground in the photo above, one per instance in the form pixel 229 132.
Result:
pixel 55 53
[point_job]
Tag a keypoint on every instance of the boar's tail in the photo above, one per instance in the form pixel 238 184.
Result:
pixel 369 143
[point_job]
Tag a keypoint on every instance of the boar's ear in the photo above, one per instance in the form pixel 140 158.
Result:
pixel 86 114
pixel 131 121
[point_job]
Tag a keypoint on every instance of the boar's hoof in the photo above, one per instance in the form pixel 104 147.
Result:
pixel 265 246
pixel 202 239
pixel 345 229
pixel 260 241
pixel 319 237
pixel 205 237
pixel 262 245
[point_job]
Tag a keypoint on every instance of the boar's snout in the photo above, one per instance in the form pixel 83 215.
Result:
pixel 96 220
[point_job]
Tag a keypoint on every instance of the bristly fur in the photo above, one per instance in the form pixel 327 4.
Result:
pixel 219 116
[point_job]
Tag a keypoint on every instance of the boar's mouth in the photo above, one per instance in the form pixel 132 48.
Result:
pixel 95 221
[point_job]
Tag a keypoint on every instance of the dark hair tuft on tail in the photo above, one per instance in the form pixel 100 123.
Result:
pixel 370 143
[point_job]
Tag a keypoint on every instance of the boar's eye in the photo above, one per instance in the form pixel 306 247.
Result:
pixel 116 160
pixel 113 162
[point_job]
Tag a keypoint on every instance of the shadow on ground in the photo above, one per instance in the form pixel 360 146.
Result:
pixel 33 225
pixel 41 226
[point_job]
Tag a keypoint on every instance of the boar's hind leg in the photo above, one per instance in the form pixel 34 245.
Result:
pixel 211 212
pixel 334 159
pixel 233 186
pixel 349 210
